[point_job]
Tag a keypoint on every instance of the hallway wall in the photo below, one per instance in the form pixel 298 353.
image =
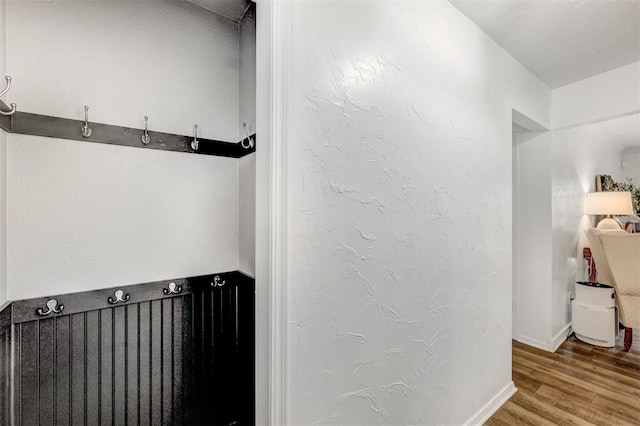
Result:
pixel 399 218
pixel 579 154
pixel 581 151
pixel 532 312
pixel 609 94
pixel 85 215
pixel 631 158
pixel 247 164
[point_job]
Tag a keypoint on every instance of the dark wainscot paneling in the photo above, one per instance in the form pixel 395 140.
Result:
pixel 151 359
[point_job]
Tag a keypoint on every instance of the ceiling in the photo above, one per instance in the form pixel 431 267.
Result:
pixel 231 9
pixel 561 41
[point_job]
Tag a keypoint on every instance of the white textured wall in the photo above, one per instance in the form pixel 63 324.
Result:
pixel 532 279
pixel 247 213
pixel 607 95
pixel 631 168
pixel 85 215
pixel 264 331
pixel 400 212
pixel 579 154
pixel 169 60
pixel 515 259
pixel 3 163
pixel 247 164
pixel 247 98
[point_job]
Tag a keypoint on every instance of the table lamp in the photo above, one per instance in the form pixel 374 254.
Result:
pixel 607 204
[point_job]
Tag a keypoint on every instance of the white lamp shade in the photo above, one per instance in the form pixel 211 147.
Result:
pixel 609 203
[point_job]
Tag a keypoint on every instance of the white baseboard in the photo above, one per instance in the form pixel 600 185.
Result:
pixel 553 344
pixel 492 406
pixel 559 338
pixel 533 342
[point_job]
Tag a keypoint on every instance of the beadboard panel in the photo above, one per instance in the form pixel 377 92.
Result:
pixel 183 358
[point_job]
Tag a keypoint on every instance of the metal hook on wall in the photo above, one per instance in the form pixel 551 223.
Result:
pixel 218 282
pixel 173 289
pixel 52 307
pixel 86 130
pixel 120 297
pixel 250 142
pixel 145 138
pixel 194 143
pixel 6 89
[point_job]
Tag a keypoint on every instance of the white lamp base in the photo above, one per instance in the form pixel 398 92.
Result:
pixel 608 223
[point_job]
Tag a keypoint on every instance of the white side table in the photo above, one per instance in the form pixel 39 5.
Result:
pixel 594 315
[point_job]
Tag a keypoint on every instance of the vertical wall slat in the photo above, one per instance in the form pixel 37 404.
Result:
pixel 218 386
pixel 119 365
pixel 29 373
pixel 176 367
pixel 167 361
pixel 132 371
pixel 156 362
pixel 78 368
pixel 5 383
pixel 246 342
pixel 106 366
pixel 144 364
pixel 189 378
pixel 211 386
pixel 219 323
pixel 230 372
pixel 46 355
pixel 16 373
pixel 62 371
pixel 198 322
pixel 92 371
pixel 233 374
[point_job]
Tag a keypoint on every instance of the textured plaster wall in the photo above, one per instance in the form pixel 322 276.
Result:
pixel 532 282
pixel 247 165
pixel 631 159
pixel 247 98
pixel 399 245
pixel 3 163
pixel 247 213
pixel 169 60
pixel 84 215
pixel 579 154
pixel 264 110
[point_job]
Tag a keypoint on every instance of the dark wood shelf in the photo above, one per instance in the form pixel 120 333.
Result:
pixel 25 123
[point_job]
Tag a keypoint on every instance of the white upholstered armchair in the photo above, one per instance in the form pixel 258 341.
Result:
pixel 617 258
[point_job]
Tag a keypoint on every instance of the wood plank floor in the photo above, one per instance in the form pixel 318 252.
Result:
pixel 579 384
